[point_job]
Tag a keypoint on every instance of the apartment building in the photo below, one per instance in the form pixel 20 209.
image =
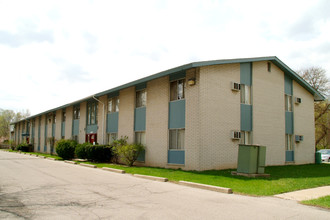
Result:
pixel 193 116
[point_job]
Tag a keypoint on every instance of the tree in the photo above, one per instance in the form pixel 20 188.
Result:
pixel 9 116
pixel 317 78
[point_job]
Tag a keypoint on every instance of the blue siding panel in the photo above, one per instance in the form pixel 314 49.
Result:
pixel 289 122
pixel 176 156
pixel 178 75
pixel 246 117
pixel 246 73
pixel 91 129
pixel 142 156
pixel 140 119
pixel 177 114
pixel 75 127
pixel 289 156
pixel 112 122
pixel 287 85
pixel 63 129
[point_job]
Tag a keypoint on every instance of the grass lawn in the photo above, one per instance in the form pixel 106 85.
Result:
pixel 320 202
pixel 283 178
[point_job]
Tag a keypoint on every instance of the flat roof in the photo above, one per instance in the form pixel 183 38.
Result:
pixel 289 72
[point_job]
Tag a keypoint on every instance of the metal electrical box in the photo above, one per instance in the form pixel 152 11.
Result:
pixel 251 159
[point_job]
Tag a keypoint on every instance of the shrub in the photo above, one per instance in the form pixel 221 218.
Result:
pixel 98 153
pixel 129 153
pixel 117 144
pixel 24 147
pixel 65 148
pixel 81 150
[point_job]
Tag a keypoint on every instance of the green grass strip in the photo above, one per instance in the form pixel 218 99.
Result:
pixel 323 202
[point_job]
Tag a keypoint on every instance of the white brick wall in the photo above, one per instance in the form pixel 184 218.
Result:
pixel 102 120
pixel 126 113
pixel 269 111
pixel 220 113
pixel 157 122
pixel 68 122
pixel 304 125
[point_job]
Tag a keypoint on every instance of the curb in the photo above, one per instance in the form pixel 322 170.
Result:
pixel 87 165
pixel 50 158
pixel 113 170
pixel 207 187
pixel 161 179
pixel 69 161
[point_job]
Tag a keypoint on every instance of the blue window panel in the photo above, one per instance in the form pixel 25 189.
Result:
pixel 142 156
pixel 176 156
pixel 113 94
pixel 38 147
pixel 53 130
pixel 178 75
pixel 289 122
pixel 246 73
pixel 63 129
pixel 140 119
pixel 287 85
pixel 91 129
pixel 75 127
pixel 112 122
pixel 177 114
pixel 246 117
pixel 45 148
pixel 289 156
pixel 141 86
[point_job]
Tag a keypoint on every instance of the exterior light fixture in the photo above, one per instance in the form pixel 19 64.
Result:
pixel 192 81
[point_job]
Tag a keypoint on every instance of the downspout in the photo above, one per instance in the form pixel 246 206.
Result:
pixel 102 118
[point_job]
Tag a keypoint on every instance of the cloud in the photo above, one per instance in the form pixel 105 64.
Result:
pixel 25 37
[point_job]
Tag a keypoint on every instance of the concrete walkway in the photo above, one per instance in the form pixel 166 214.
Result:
pixel 306 194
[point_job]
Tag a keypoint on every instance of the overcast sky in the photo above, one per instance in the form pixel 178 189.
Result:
pixel 56 52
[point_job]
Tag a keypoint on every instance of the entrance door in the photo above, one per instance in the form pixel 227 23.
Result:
pixel 91 138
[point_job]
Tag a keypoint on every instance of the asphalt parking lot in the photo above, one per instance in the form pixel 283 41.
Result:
pixel 35 188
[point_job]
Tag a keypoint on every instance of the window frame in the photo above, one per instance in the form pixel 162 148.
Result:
pixel 92 111
pixel 289 144
pixel 76 112
pixel 288 103
pixel 244 140
pixel 246 97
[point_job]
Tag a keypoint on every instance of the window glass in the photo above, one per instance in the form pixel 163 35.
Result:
pixel 63 115
pixel 176 139
pixel 111 137
pixel 245 94
pixel 288 103
pixel 177 90
pixel 113 104
pixel 288 142
pixel 141 98
pixel 76 112
pixel 246 137
pixel 140 138
pixel 92 113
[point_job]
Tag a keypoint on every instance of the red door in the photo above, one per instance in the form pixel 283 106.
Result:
pixel 91 138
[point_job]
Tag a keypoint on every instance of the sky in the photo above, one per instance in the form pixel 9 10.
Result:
pixel 56 52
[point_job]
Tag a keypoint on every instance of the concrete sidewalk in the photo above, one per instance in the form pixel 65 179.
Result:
pixel 306 194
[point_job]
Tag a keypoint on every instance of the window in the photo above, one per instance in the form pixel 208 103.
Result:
pixel 245 94
pixel 63 116
pixel 75 138
pixel 76 112
pixel 288 142
pixel 246 137
pixel 269 66
pixel 140 138
pixel 141 98
pixel 111 137
pixel 176 139
pixel 54 117
pixel 177 90
pixel 113 104
pixel 92 113
pixel 288 103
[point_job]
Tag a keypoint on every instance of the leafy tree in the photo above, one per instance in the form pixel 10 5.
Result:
pixel 317 78
pixel 9 116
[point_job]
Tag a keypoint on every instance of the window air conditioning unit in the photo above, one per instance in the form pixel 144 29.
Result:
pixel 235 135
pixel 235 86
pixel 297 100
pixel 299 138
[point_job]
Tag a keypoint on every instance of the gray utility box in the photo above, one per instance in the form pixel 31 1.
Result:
pixel 251 159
